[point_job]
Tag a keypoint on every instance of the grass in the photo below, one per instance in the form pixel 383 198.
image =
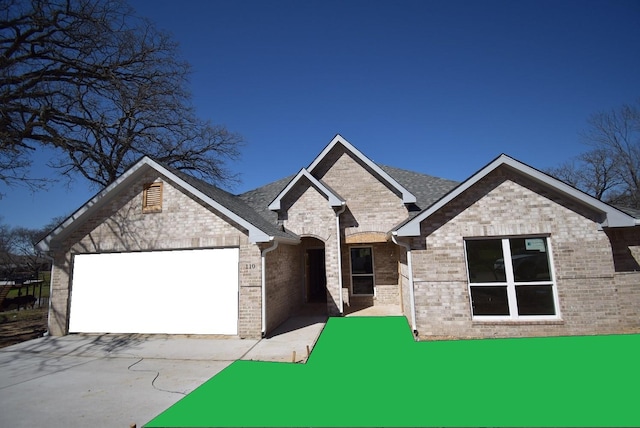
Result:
pixel 370 372
pixel 44 276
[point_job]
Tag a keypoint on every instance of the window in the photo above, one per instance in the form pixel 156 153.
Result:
pixel 152 198
pixel 362 271
pixel 511 278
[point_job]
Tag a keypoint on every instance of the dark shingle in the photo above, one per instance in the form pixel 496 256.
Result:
pixel 260 198
pixel 236 205
pixel 426 188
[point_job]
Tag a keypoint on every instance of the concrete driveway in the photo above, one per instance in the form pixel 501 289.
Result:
pixel 121 380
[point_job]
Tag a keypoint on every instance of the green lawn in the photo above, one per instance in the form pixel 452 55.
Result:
pixel 369 372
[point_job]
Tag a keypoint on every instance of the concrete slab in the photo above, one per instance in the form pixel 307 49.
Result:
pixel 120 380
pixel 294 335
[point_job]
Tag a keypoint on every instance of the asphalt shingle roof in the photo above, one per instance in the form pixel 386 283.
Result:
pixel 426 188
pixel 236 205
pixel 253 205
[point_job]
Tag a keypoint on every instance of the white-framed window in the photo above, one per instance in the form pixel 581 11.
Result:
pixel 511 278
pixel 362 277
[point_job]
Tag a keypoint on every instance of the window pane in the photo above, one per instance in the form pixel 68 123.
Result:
pixel 361 261
pixel 530 259
pixel 535 300
pixel 489 300
pixel 362 284
pixel 485 261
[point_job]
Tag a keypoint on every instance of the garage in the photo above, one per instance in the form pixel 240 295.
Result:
pixel 172 292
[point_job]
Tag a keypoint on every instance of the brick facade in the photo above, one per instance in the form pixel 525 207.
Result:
pixel 284 286
pixel 597 270
pixel 507 204
pixel 183 223
pixel 372 209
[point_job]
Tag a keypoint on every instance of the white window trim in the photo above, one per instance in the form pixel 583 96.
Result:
pixel 372 274
pixel 511 283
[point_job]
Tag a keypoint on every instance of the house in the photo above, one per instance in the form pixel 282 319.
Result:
pixel 510 251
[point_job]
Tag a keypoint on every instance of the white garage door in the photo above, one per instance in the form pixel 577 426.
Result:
pixel 176 292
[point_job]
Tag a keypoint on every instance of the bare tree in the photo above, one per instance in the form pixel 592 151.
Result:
pixel 610 170
pixel 102 86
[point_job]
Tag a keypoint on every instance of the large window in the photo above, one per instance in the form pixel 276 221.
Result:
pixel 511 278
pixel 362 282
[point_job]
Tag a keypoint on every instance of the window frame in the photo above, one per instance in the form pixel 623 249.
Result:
pixel 146 208
pixel 511 284
pixel 372 274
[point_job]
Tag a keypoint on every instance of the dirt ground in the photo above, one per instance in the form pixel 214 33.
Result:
pixel 19 326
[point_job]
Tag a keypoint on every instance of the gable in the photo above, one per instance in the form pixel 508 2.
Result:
pixel 508 203
pixel 307 213
pixel 339 146
pixel 232 207
pixel 303 178
pixel 608 216
pixel 182 222
pixel 372 205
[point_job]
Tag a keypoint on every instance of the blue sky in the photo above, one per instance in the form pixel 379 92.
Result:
pixel 436 87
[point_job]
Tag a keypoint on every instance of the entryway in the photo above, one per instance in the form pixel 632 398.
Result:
pixel 315 275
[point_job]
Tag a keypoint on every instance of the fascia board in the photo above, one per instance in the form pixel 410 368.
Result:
pixel 334 200
pixel 93 204
pixel 614 217
pixel 407 197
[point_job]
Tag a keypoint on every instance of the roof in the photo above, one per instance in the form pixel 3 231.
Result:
pixel 613 217
pixel 253 210
pixel 238 206
pixel 407 196
pixel 334 199
pixel 426 188
pixel 259 228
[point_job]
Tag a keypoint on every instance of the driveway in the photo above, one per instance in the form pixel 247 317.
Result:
pixel 121 380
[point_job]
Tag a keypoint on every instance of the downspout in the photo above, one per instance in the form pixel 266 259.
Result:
pixel 48 256
pixel 344 207
pixel 264 285
pixel 412 300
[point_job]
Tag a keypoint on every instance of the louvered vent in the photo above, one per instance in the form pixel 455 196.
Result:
pixel 152 198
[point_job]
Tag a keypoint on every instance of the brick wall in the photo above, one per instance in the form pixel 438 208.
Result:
pixel 284 284
pixel 306 212
pixel 371 205
pixel 183 223
pixel 506 204
pixel 373 208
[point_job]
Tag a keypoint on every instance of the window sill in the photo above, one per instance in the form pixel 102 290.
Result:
pixel 518 322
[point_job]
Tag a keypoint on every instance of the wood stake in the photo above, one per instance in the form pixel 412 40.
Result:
pixel 293 359
pixel 308 351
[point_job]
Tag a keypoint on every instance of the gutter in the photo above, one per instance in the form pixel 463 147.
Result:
pixel 344 207
pixel 412 300
pixel 264 284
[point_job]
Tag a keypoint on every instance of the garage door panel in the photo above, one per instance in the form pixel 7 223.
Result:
pixel 177 292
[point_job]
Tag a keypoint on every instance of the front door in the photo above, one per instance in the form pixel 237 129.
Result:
pixel 316 275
